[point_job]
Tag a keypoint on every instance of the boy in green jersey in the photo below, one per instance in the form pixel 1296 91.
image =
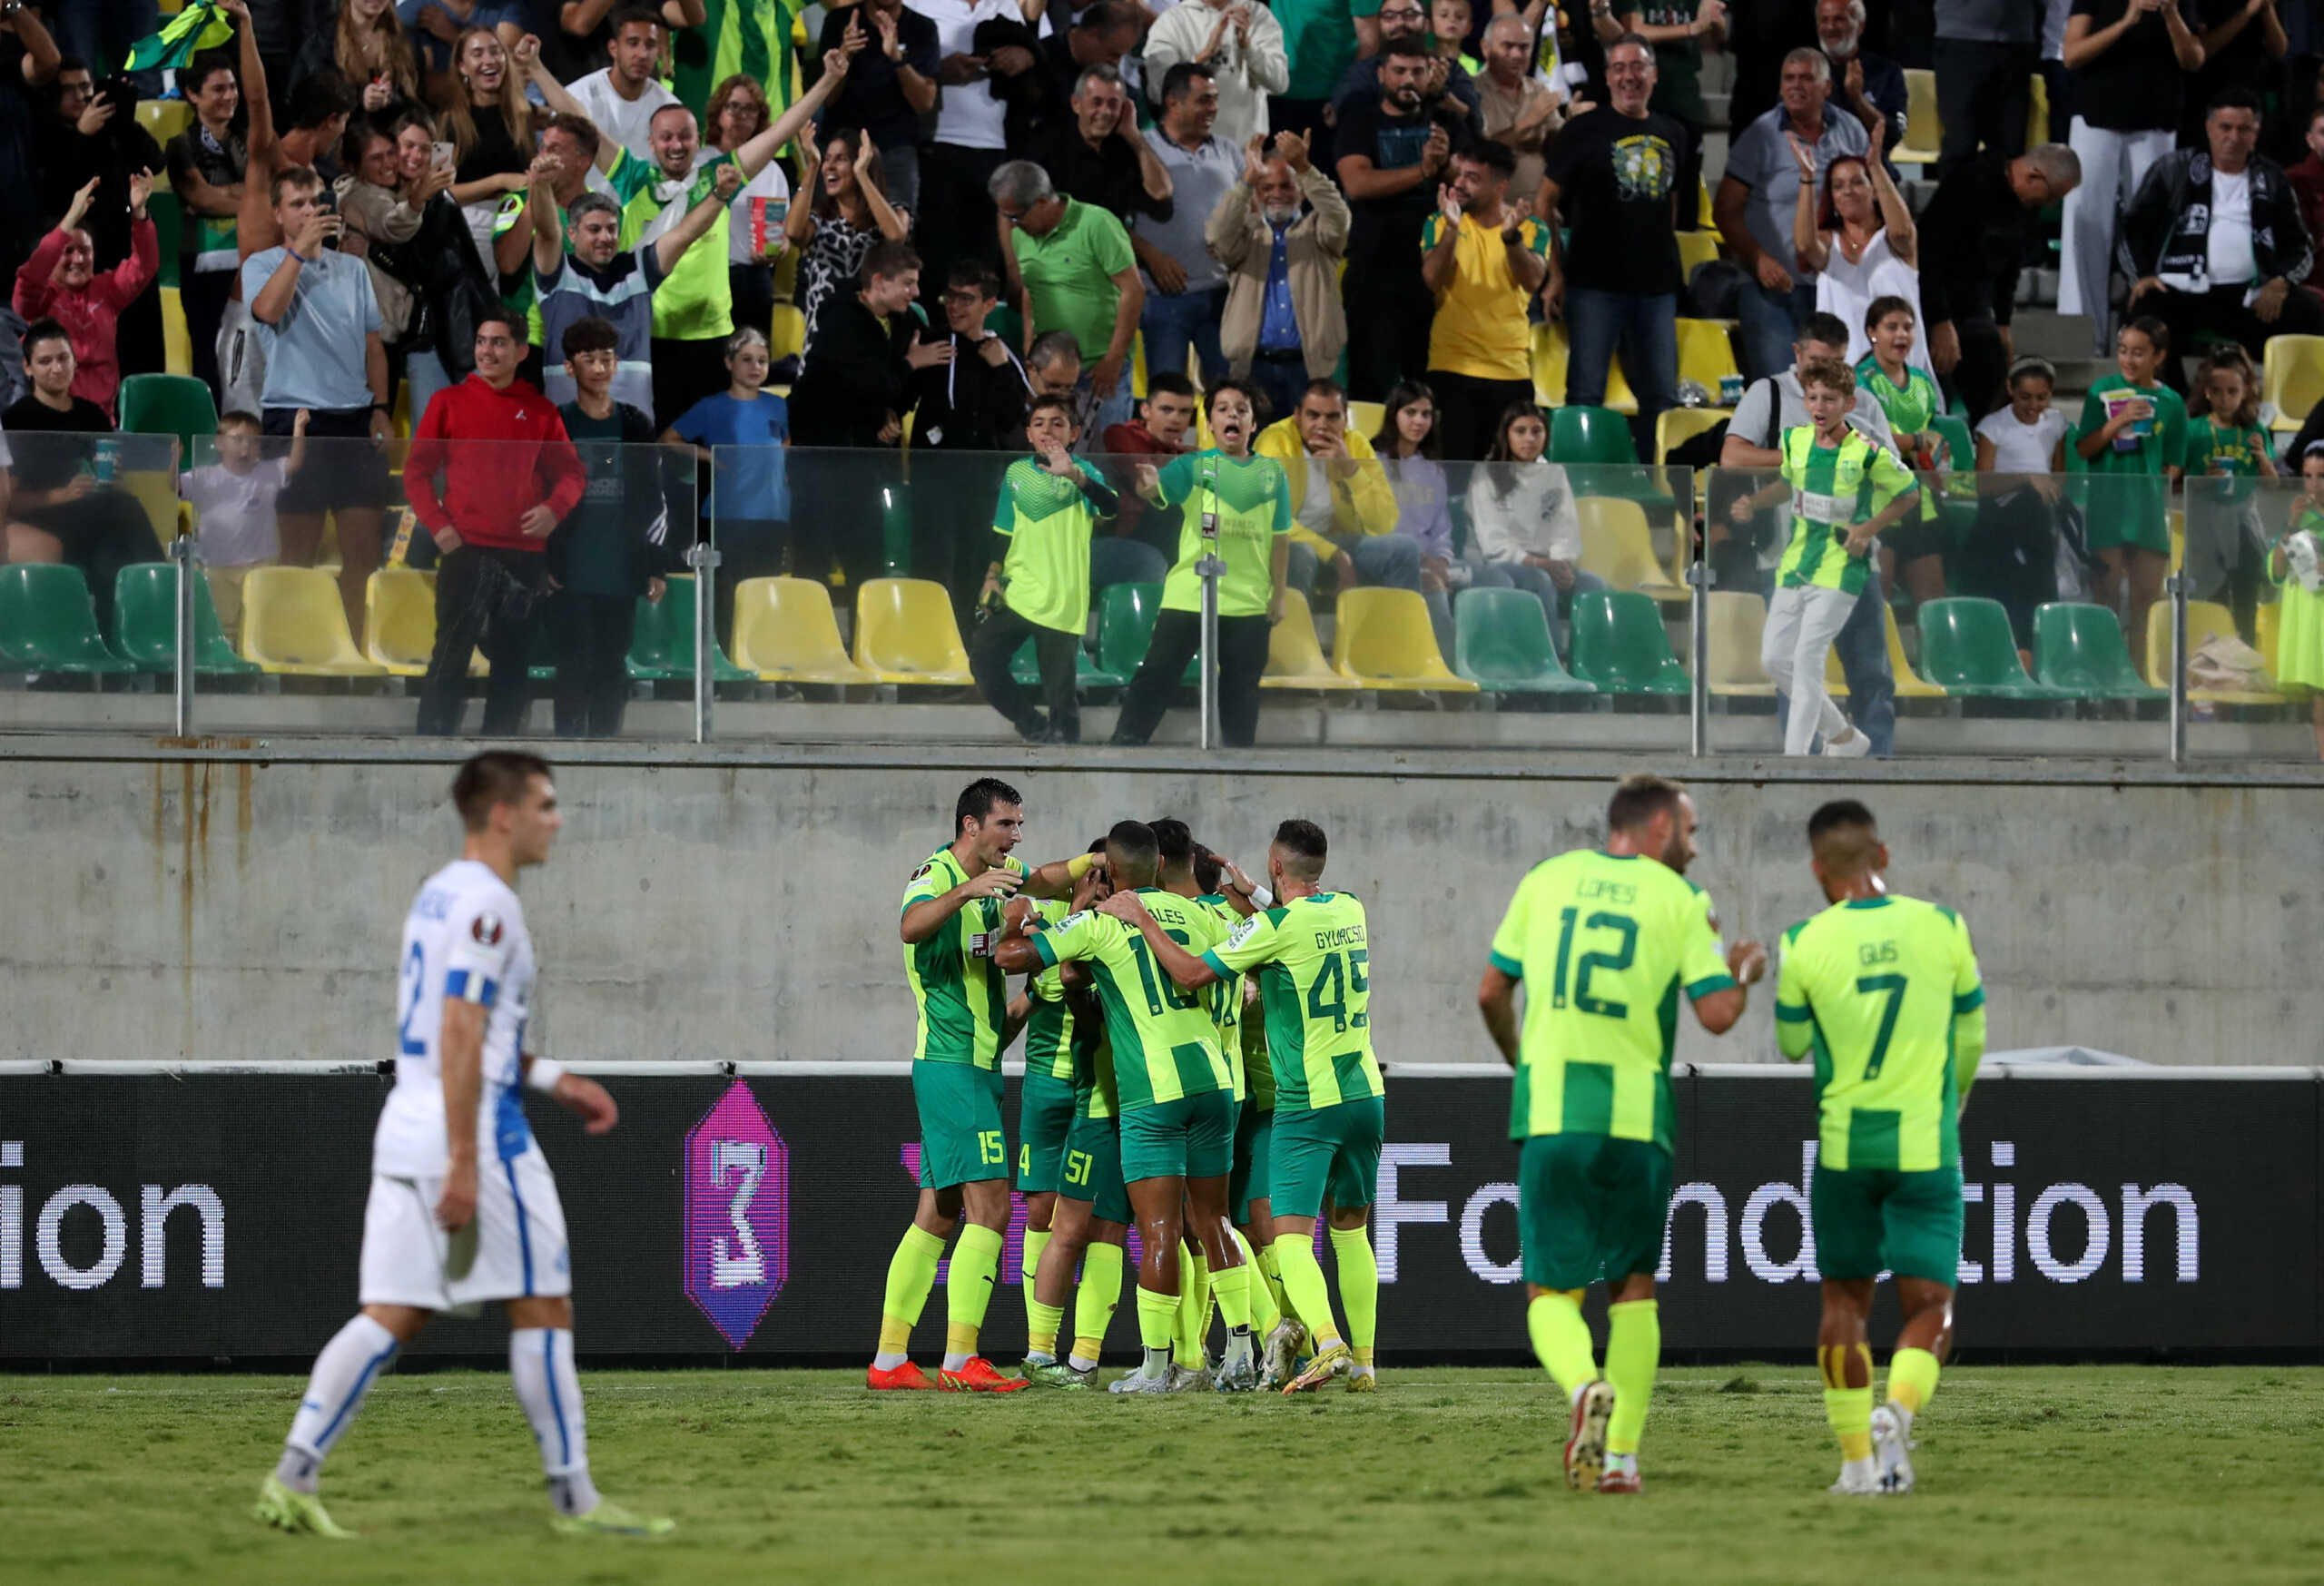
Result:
pixel 954 910
pixel 1311 954
pixel 1604 944
pixel 1175 1098
pixel 1038 583
pixel 1884 991
pixel 2133 435
pixel 1911 400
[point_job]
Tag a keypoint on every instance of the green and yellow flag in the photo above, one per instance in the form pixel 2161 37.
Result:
pixel 203 25
pixel 751 36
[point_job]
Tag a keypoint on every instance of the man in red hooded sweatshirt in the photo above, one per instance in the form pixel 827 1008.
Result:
pixel 490 476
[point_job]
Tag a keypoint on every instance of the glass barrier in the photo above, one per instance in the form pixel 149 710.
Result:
pixel 1979 623
pixel 501 588
pixel 2252 651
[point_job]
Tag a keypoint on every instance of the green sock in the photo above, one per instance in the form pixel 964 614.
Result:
pixel 1561 1339
pixel 1911 1378
pixel 1094 1301
pixel 1232 1288
pixel 1633 1354
pixel 1271 1271
pixel 1266 1311
pixel 1303 1285
pixel 1359 1289
pixel 976 1263
pixel 1035 1241
pixel 1158 1320
pixel 911 1273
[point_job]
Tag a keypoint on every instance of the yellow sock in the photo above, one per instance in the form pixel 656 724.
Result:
pixel 1633 1355
pixel 1194 1308
pixel 1271 1272
pixel 976 1262
pixel 1561 1339
pixel 1094 1301
pixel 1041 1322
pixel 1304 1287
pixel 1911 1378
pixel 1232 1290
pixel 1849 1410
pixel 1035 1241
pixel 1266 1311
pixel 911 1273
pixel 1158 1319
pixel 1359 1288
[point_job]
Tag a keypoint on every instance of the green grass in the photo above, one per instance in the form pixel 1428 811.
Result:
pixel 2111 1475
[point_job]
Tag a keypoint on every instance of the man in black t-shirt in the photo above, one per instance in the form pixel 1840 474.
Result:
pixel 1392 156
pixel 1612 174
pixel 890 87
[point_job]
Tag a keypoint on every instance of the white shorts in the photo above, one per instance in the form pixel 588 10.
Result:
pixel 514 1249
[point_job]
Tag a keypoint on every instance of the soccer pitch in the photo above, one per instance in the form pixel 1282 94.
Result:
pixel 2115 1474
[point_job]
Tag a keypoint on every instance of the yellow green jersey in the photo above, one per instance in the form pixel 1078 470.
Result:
pixel 1049 1026
pixel 1833 487
pixel 1884 991
pixel 1313 959
pixel 1164 1040
pixel 1047 522
pixel 1225 996
pixel 1604 944
pixel 1252 497
pixel 963 999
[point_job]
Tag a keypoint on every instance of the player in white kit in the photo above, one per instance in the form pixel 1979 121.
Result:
pixel 463 1206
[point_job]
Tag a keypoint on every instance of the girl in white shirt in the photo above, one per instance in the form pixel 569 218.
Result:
pixel 2023 450
pixel 1522 519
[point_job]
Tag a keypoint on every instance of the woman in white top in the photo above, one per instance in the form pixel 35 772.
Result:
pixel 755 239
pixel 1522 519
pixel 1861 246
pixel 2021 455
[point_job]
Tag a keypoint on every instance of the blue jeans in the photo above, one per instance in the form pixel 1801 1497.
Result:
pixel 1170 323
pixel 1646 330
pixel 426 374
pixel 1863 650
pixel 1282 381
pixel 101 33
pixel 1772 322
pixel 1385 561
pixel 1094 415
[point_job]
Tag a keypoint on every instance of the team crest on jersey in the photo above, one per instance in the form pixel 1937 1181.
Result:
pixel 924 869
pixel 1710 913
pixel 487 929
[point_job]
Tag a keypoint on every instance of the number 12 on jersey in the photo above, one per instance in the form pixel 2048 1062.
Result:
pixel 1612 962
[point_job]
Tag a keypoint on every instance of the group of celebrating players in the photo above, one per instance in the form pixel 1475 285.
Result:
pixel 1200 1077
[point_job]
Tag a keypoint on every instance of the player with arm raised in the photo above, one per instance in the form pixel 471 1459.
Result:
pixel 1884 991
pixel 463 1206
pixel 1311 952
pixel 951 917
pixel 1604 941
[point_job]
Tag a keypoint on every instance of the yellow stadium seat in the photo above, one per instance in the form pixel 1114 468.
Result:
pixel 2292 377
pixel 1910 684
pixel 2267 627
pixel 2037 121
pixel 157 492
pixel 1697 247
pixel 904 633
pixel 1924 132
pixel 1365 418
pixel 177 343
pixel 1551 350
pixel 1616 546
pixel 1137 366
pixel 400 623
pixel 1705 355
pixel 789 332
pixel 1836 681
pixel 2205 618
pixel 785 633
pixel 1738 619
pixel 1295 656
pixel 1702 209
pixel 1674 427
pixel 1384 639
pixel 164 118
pixel 293 623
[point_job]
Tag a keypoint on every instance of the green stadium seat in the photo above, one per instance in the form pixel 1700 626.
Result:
pixel 169 226
pixel 1968 650
pixel 48 623
pixel 1025 666
pixel 1620 645
pixel 661 645
pixel 1591 435
pixel 145 623
pixel 1501 642
pixel 168 404
pixel 2081 647
pixel 1125 616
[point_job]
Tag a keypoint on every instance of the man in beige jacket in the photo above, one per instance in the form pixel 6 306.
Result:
pixel 1284 325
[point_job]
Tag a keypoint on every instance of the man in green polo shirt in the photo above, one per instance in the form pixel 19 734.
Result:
pixel 1077 273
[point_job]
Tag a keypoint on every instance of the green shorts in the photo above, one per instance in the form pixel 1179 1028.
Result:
pixel 1191 1138
pixel 960 1139
pixel 1591 1207
pixel 1330 1153
pixel 1253 1151
pixel 1091 1168
pixel 2128 509
pixel 1044 1118
pixel 1868 1220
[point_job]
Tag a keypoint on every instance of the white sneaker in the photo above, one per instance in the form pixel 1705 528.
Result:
pixel 1585 1446
pixel 1137 1382
pixel 1185 1379
pixel 1239 1371
pixel 1280 1357
pixel 1854 746
pixel 1891 1449
pixel 1859 1478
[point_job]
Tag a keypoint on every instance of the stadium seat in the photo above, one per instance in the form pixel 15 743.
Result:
pixel 1697 247
pixel 2205 619
pixel 177 341
pixel 168 227
pixel 399 621
pixel 1674 427
pixel 169 404
pixel 164 119
pixel 1385 639
pixel 1909 683
pixel 1616 546
pixel 2267 627
pixel 1552 349
pixel 1126 613
pixel 2079 648
pixel 1738 619
pixel 1924 132
pixel 1620 645
pixel 649 644
pixel 785 632
pixel 48 623
pixel 1706 355
pixel 788 333
pixel 904 633
pixel 2292 377
pixel 1591 435
pixel 2037 117
pixel 1025 666
pixel 661 645
pixel 145 623
pixel 1501 642
pixel 1960 447
pixel 1295 656
pixel 1365 418
pixel 293 623
pixel 1968 649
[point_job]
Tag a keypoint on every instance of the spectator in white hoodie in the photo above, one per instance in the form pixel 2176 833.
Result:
pixel 1521 514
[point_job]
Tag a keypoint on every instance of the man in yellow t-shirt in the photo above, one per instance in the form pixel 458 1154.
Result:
pixel 1485 258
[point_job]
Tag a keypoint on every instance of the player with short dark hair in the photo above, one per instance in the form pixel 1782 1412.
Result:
pixel 463 1207
pixel 1605 941
pixel 1883 990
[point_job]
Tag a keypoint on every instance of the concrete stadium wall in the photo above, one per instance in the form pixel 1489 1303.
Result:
pixel 214 905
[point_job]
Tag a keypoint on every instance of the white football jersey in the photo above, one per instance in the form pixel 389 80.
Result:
pixel 465 936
